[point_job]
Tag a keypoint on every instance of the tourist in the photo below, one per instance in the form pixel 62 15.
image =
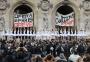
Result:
pixel 74 57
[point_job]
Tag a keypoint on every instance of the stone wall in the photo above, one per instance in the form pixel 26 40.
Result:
pixel 44 16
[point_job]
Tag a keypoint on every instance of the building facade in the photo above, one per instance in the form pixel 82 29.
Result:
pixel 35 16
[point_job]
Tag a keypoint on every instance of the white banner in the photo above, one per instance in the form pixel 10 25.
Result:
pixel 65 20
pixel 23 20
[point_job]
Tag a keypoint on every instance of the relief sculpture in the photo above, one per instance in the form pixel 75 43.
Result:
pixel 2 23
pixel 3 6
pixel 86 5
pixel 45 21
pixel 45 5
pixel 87 25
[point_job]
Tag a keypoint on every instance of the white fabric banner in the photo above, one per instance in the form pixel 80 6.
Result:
pixel 23 20
pixel 65 20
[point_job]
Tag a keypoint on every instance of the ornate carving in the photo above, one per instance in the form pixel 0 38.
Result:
pixel 24 1
pixel 3 4
pixel 86 5
pixel 65 2
pixel 87 25
pixel 45 5
pixel 2 23
pixel 45 20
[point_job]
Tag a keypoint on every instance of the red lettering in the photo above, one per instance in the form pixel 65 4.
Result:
pixel 23 24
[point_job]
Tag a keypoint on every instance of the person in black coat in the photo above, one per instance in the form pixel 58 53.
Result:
pixel 22 55
pixel 81 49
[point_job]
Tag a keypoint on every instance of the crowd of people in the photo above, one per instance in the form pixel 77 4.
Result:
pixel 44 51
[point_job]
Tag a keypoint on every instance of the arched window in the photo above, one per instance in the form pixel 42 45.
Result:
pixel 65 20
pixel 23 20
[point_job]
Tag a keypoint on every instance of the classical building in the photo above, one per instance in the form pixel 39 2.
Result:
pixel 40 16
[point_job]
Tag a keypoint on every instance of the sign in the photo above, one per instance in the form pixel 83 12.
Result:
pixel 65 20
pixel 23 20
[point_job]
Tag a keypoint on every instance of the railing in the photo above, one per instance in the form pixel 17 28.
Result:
pixel 44 34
